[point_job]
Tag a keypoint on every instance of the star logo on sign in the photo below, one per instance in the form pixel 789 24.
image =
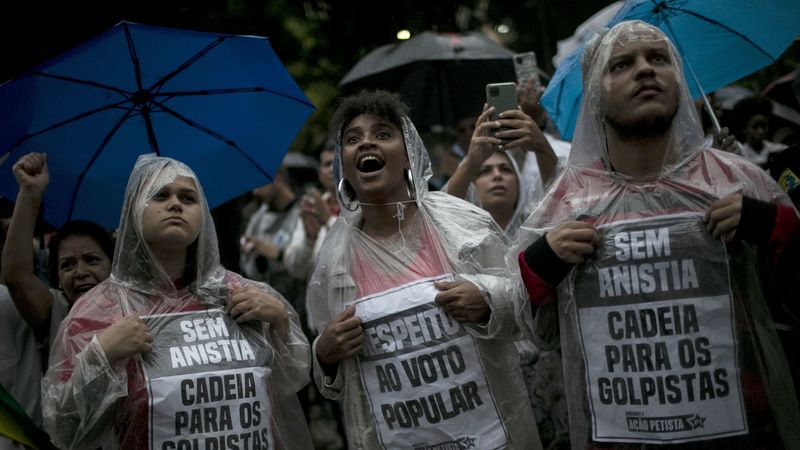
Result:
pixel 466 442
pixel 697 422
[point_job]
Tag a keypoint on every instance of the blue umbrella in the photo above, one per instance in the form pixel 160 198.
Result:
pixel 224 105
pixel 720 41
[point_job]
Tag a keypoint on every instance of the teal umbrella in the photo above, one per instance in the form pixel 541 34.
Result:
pixel 720 41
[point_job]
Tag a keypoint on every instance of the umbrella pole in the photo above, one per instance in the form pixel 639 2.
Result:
pixel 706 103
pixel 151 135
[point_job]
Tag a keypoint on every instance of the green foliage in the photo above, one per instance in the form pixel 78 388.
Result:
pixel 318 40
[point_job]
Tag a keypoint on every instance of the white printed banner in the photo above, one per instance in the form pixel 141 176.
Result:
pixel 656 324
pixel 207 383
pixel 423 374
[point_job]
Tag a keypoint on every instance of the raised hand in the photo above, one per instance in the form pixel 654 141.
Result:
pixel 480 146
pixel 314 212
pixel 31 172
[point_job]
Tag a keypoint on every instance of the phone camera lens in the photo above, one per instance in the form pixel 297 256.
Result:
pixel 494 92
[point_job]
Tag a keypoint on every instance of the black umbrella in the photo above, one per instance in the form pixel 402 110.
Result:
pixel 442 76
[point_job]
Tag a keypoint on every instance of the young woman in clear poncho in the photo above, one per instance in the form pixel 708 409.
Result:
pixel 172 349
pixel 491 179
pixel 665 334
pixel 412 299
pixel 498 189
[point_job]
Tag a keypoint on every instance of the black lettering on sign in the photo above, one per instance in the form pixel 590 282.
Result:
pixel 217 388
pixel 388 378
pixel 250 414
pixel 403 333
pixel 203 420
pixel 647 278
pixel 652 322
pixel 432 408
pixel 430 367
pixel 640 357
pixel 663 390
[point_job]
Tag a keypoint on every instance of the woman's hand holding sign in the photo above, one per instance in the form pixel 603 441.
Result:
pixel 463 301
pixel 127 337
pixel 251 303
pixel 342 338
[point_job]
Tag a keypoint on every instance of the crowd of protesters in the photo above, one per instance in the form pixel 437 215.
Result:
pixel 636 286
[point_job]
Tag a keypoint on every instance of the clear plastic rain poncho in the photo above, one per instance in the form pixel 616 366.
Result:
pixel 521 209
pixel 423 380
pixel 209 382
pixel 665 334
pixel 541 368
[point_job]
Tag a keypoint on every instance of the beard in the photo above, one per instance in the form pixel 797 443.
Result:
pixel 641 127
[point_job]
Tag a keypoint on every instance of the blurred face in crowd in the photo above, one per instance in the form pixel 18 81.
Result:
pixel 173 217
pixel 640 85
pixel 82 265
pixel 265 193
pixel 326 169
pixel 756 131
pixel 497 186
pixel 374 159
pixel 464 130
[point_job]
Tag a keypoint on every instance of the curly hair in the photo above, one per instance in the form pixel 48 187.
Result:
pixel 384 104
pixel 744 110
pixel 77 228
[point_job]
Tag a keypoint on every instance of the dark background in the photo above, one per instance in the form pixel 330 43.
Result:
pixel 318 40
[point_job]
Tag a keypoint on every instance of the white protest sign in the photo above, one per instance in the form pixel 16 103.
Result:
pixel 424 378
pixel 207 383
pixel 656 324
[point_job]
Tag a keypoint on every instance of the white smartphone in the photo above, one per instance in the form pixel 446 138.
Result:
pixel 526 68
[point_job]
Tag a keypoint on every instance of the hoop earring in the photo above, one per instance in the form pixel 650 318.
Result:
pixel 343 197
pixel 410 184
